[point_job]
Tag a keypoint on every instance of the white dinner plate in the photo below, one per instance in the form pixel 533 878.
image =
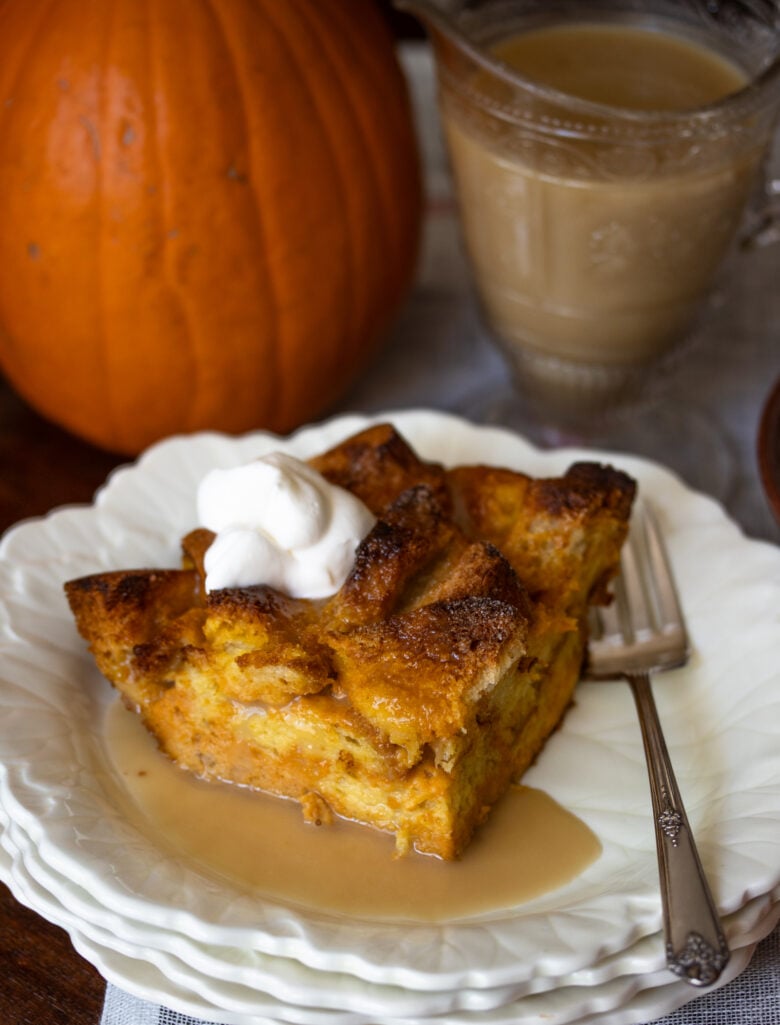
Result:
pixel 201 981
pixel 721 715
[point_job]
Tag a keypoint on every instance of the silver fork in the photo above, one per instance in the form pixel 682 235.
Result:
pixel 641 632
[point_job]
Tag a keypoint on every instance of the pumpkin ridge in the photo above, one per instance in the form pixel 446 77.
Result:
pixel 386 225
pixel 163 219
pixel 24 367
pixel 7 93
pixel 16 74
pixel 365 239
pixel 388 187
pixel 103 350
pixel 272 351
pixel 289 38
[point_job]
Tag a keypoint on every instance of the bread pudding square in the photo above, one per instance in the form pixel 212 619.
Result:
pixel 411 698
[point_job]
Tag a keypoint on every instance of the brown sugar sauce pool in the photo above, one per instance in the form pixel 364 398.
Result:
pixel 528 847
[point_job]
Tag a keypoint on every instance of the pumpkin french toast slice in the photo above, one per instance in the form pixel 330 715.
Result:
pixel 411 698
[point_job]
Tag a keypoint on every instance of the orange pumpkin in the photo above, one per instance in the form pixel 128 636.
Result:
pixel 209 209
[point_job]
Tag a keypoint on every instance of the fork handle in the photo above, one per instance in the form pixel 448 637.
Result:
pixel 696 948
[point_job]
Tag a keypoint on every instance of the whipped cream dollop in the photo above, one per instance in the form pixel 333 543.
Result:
pixel 279 522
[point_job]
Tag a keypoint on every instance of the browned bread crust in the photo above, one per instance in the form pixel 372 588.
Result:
pixel 416 694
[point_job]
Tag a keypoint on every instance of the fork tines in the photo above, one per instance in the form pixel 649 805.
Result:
pixel 643 629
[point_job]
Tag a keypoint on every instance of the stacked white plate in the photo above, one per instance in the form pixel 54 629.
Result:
pixel 167 929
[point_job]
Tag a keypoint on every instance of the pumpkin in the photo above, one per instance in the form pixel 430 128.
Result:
pixel 209 209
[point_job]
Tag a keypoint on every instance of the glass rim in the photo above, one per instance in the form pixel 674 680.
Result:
pixel 760 92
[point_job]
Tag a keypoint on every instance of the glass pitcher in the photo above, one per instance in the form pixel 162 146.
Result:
pixel 595 228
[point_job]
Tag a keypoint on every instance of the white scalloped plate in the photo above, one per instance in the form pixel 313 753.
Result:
pixel 721 714
pixel 605 1008
pixel 161 977
pixel 213 989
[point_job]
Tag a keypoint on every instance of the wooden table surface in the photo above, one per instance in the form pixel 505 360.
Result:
pixel 43 981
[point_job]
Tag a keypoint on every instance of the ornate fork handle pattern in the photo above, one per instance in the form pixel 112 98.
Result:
pixel 696 948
